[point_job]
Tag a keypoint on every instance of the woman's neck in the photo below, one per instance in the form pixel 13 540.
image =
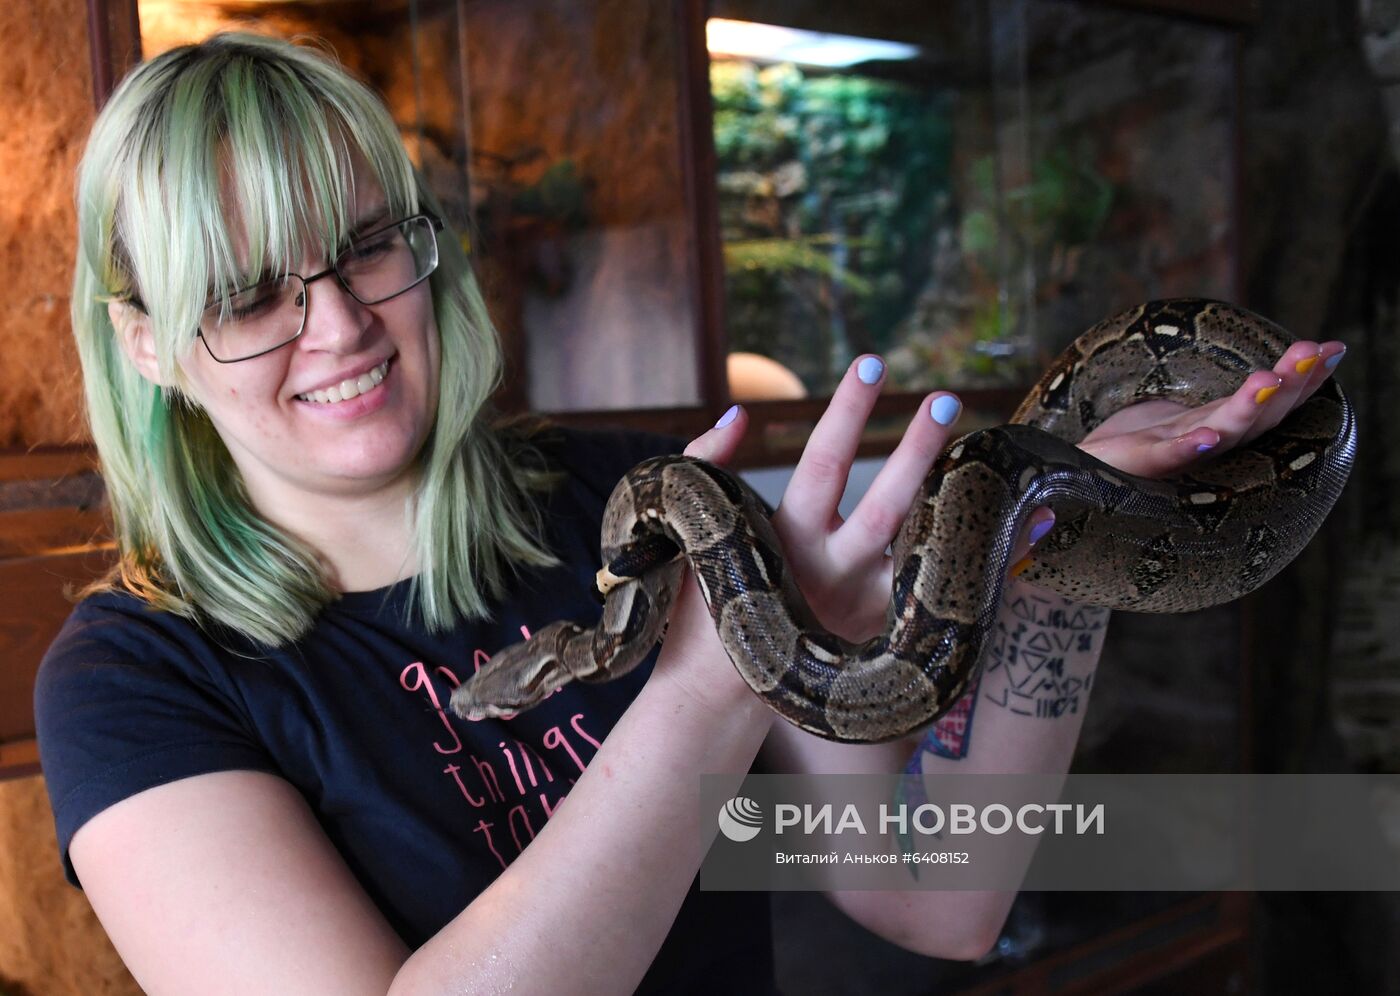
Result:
pixel 365 540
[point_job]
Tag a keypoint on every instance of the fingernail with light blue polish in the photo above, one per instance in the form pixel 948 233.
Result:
pixel 945 410
pixel 1039 530
pixel 869 370
pixel 1332 361
pixel 728 417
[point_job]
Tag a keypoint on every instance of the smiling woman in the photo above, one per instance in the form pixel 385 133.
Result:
pixel 261 191
pixel 320 522
pixel 324 531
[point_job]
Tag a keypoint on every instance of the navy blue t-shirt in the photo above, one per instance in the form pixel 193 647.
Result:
pixel 425 808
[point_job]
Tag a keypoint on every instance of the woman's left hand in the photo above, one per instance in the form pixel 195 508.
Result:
pixel 841 564
pixel 1157 438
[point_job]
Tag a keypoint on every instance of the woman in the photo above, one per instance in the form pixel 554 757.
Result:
pixel 321 531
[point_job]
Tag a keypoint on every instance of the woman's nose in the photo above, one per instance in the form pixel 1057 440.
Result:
pixel 335 321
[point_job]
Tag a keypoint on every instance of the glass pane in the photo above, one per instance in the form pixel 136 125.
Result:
pixel 962 187
pixel 580 198
pixel 839 141
pixel 1126 160
pixel 563 164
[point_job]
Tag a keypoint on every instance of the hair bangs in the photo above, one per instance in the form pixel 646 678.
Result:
pixel 255 159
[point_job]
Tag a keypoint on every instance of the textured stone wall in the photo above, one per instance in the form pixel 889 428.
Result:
pixel 1322 256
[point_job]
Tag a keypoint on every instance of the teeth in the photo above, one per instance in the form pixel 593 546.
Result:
pixel 348 389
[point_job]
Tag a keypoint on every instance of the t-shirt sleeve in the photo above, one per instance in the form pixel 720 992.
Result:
pixel 127 699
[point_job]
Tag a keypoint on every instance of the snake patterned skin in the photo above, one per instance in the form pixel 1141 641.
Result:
pixel 1172 545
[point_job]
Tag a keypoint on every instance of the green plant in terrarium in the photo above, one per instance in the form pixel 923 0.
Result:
pixel 1044 224
pixel 831 187
pixel 1063 206
pixel 805 254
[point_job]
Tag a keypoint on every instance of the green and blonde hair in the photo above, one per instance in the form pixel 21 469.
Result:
pixel 270 130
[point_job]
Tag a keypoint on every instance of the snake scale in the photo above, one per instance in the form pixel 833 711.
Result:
pixel 1170 545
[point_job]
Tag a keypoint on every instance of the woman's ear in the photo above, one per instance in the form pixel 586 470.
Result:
pixel 133 328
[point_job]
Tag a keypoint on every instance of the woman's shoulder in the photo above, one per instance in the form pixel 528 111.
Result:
pixel 121 617
pixel 129 697
pixel 117 629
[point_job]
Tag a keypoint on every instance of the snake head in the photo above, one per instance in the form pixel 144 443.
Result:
pixel 517 678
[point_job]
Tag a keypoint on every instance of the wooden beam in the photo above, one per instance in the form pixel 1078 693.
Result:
pixel 34 602
pixel 1236 13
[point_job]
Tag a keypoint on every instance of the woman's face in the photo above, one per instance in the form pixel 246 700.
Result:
pixel 288 445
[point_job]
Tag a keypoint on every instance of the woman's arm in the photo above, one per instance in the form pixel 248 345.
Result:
pixel 226 883
pixel 587 905
pixel 1015 731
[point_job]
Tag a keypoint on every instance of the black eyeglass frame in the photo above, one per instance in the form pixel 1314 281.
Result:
pixel 433 220
pixel 436 226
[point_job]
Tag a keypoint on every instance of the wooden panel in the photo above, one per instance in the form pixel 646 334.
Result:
pixel 1225 970
pixel 698 161
pixel 16 465
pixel 19 759
pixel 114 44
pixel 1211 927
pixel 1230 12
pixel 54 538
pixel 779 429
pixel 41 531
pixel 33 606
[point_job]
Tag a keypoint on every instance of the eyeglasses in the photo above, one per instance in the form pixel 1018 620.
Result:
pixel 373 268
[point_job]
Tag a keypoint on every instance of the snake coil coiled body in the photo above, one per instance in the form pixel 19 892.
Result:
pixel 1122 542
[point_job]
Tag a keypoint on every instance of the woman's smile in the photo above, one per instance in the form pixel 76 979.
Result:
pixel 351 397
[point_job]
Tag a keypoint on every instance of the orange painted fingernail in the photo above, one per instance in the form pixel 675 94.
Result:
pixel 1264 394
pixel 1303 366
pixel 1020 566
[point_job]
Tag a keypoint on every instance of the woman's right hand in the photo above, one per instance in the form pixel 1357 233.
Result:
pixel 692 654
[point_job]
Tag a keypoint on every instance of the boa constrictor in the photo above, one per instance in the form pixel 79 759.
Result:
pixel 1172 545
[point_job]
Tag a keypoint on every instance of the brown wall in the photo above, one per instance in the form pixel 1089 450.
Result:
pixel 45 110
pixel 50 941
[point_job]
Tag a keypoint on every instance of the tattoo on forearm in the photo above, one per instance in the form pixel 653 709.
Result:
pixel 1039 662
pixel 1035 645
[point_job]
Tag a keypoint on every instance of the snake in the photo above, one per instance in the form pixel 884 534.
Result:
pixel 1207 536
